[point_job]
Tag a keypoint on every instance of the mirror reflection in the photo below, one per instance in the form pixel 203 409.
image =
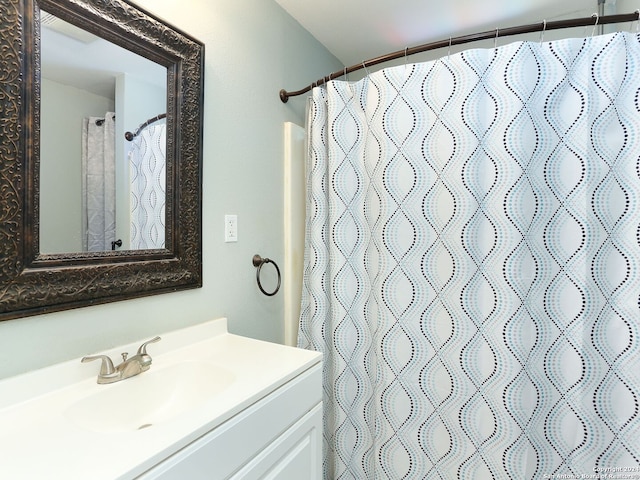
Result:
pixel 99 191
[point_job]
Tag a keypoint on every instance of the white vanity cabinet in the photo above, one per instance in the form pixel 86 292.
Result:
pixel 213 405
pixel 278 437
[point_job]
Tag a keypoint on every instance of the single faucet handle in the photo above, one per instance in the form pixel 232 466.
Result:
pixel 143 348
pixel 106 368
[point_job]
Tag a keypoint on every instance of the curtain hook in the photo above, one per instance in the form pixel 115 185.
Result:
pixel 449 50
pixel 637 21
pixel 595 25
pixel 495 40
pixel 345 74
pixel 544 27
pixel 406 49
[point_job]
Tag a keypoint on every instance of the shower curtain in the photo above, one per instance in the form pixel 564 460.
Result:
pixel 98 182
pixel 472 264
pixel 147 162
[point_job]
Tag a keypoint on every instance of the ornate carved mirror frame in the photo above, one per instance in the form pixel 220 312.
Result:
pixel 33 283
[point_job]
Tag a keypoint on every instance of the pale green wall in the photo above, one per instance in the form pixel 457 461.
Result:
pixel 253 48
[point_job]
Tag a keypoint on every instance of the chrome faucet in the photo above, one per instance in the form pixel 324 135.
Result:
pixel 129 367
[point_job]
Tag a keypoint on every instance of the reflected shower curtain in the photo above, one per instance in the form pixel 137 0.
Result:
pixel 472 264
pixel 147 163
pixel 98 182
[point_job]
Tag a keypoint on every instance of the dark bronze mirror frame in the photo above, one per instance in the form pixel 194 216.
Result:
pixel 33 283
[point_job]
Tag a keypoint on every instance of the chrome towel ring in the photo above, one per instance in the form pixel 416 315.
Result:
pixel 258 262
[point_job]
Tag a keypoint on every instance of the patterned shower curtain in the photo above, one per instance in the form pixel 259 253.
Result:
pixel 472 264
pixel 147 164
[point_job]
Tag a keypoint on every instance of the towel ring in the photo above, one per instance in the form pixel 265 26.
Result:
pixel 258 262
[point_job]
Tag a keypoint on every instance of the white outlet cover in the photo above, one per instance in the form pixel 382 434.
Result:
pixel 230 228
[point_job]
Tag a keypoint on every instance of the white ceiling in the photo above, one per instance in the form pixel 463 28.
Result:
pixel 358 30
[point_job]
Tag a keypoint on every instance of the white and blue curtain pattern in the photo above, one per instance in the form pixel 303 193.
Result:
pixel 472 264
pixel 147 165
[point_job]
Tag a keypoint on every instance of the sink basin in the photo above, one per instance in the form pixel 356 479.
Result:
pixel 150 398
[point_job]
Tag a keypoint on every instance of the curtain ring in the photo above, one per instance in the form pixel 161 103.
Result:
pixel 495 40
pixel 449 50
pixel 544 28
pixel 595 25
pixel 258 262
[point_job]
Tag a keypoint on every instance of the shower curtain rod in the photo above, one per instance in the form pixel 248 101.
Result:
pixel 130 136
pixel 593 20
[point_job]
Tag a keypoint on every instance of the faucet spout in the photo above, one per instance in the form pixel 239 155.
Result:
pixel 129 369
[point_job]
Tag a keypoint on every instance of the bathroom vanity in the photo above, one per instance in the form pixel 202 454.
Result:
pixel 212 405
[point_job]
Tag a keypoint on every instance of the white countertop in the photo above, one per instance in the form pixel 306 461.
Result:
pixel 37 440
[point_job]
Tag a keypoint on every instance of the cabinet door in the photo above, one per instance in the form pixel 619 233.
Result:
pixel 295 455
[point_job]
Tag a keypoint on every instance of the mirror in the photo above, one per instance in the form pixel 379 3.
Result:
pixel 42 267
pixel 93 93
